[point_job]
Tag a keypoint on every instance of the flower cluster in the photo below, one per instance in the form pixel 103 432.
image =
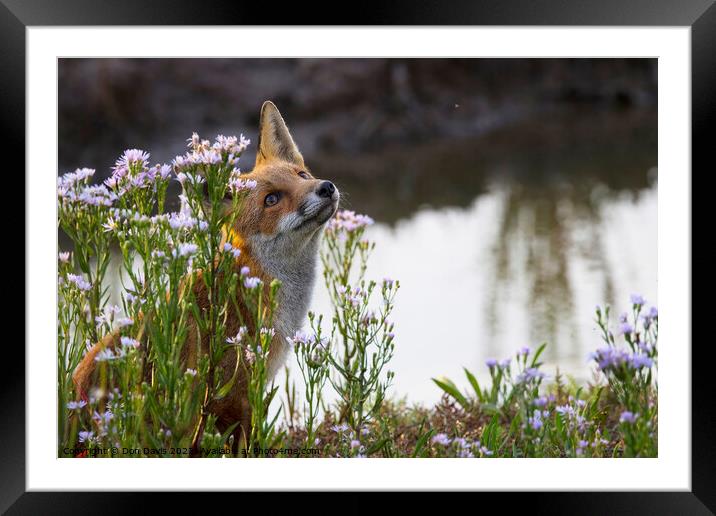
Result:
pixel 225 150
pixel 464 448
pixel 611 359
pixel 132 172
pixel 79 282
pixel 350 442
pixel 73 188
pixel 530 374
pixel 239 337
pixel 348 221
pixel 237 184
pixel 640 354
pixel 315 346
pixel 354 296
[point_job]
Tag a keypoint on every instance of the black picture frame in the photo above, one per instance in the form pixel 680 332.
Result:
pixel 700 15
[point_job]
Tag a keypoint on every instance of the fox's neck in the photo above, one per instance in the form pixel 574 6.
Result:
pixel 294 265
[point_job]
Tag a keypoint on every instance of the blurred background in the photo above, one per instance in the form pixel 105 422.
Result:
pixel 510 195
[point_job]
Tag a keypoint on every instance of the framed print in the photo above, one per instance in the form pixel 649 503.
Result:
pixel 431 250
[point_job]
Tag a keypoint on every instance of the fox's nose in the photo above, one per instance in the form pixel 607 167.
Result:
pixel 326 189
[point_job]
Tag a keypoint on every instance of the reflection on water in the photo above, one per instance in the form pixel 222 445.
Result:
pixel 508 271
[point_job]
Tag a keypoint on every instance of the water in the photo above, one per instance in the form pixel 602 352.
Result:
pixel 472 290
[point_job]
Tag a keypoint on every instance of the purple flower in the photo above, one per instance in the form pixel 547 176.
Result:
pixel 485 451
pixel 106 355
pixel 231 249
pixel 267 331
pixel 540 402
pixel 491 362
pixel 122 322
pixel 565 410
pixel 82 174
pixel 210 157
pixel 181 220
pixel 194 141
pixel 636 299
pixel 535 421
pixel 348 221
pixel 524 351
pixel 236 339
pixel 96 195
pixel 340 429
pixel 104 418
pixel 531 373
pixel 461 442
pixel 610 358
pixel 237 185
pixel 131 157
pixel 164 171
pixel 128 342
pixel 250 356
pixel 626 328
pixel 645 347
pixel 76 405
pixel 639 361
pixel 441 439
pixel 245 271
pixel 300 337
pixel 79 282
pixel 252 282
pixel 650 316
pixel 85 436
pixel 186 249
pixel 628 417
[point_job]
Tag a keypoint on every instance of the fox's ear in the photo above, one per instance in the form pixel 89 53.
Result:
pixel 275 141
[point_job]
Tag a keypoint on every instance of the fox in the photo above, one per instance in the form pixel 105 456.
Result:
pixel 278 230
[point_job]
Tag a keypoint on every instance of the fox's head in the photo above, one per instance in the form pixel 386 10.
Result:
pixel 289 206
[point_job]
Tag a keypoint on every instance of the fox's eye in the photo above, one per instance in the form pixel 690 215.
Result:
pixel 304 175
pixel 271 199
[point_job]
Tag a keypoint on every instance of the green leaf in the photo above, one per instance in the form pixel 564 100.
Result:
pixel 225 389
pixel 450 388
pixel 490 408
pixel 559 424
pixel 515 423
pixel 537 354
pixel 422 440
pixel 228 432
pixel 475 385
pixel 377 446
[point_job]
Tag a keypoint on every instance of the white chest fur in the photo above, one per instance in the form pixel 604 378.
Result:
pixel 294 265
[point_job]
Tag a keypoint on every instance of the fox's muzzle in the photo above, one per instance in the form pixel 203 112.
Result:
pixel 326 190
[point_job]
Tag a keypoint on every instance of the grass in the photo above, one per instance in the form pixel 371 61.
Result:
pixel 147 403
